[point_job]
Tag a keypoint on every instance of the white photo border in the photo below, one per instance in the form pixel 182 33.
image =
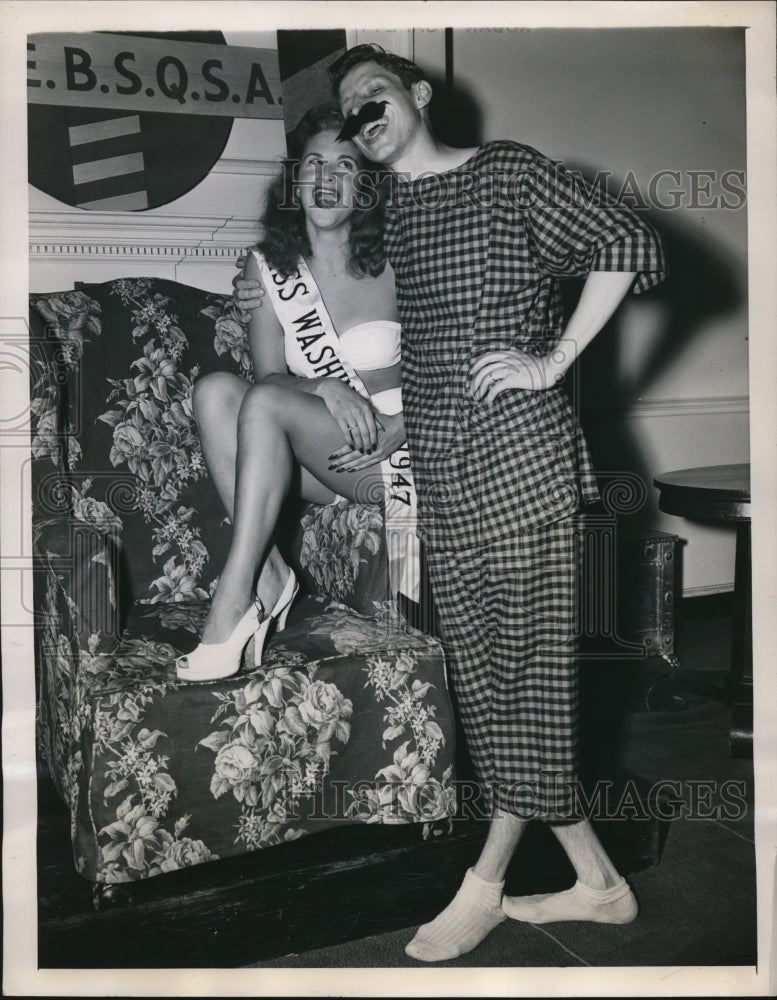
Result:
pixel 21 975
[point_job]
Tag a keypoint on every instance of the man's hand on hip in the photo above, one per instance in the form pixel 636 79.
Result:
pixel 496 371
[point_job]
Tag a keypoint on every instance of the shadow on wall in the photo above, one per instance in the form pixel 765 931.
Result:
pixel 702 286
pixel 454 114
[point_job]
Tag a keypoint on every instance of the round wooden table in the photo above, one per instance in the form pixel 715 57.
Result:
pixel 721 493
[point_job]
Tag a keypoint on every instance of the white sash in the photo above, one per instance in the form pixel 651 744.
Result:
pixel 300 309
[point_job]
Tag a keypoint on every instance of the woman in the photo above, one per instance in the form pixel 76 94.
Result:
pixel 326 398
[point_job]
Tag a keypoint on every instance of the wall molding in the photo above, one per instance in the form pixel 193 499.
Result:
pixel 249 168
pixel 43 251
pixel 81 234
pixel 695 406
pixel 709 590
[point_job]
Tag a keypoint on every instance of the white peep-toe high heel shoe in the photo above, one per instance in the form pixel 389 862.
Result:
pixel 279 614
pixel 217 660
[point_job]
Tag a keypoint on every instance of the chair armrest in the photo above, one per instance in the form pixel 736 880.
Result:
pixel 339 552
pixel 83 559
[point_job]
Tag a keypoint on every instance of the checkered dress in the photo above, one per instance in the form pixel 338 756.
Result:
pixel 478 252
pixel 509 619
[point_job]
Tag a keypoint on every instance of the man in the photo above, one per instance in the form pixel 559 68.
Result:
pixel 478 239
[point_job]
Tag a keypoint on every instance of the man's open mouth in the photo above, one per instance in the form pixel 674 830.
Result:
pixel 370 132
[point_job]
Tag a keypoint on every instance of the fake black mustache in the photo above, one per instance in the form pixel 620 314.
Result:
pixel 369 112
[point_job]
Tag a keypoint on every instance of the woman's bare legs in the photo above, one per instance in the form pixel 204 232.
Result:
pixel 252 438
pixel 217 401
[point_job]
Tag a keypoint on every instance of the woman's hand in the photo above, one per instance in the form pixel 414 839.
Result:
pixel 515 369
pixel 353 414
pixel 392 436
pixel 247 293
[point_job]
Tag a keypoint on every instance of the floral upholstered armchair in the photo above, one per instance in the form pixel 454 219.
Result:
pixel 348 718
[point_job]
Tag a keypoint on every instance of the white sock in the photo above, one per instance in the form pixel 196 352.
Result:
pixel 616 905
pixel 474 912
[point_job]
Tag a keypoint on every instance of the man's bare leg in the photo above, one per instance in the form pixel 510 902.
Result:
pixel 476 909
pixel 600 894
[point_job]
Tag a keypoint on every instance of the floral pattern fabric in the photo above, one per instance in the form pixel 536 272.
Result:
pixel 347 720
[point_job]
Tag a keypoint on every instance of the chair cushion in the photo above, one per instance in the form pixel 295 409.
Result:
pixel 347 721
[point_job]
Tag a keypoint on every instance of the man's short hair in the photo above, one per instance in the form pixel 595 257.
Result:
pixel 408 72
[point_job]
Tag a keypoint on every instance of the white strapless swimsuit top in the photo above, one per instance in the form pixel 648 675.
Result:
pixel 366 346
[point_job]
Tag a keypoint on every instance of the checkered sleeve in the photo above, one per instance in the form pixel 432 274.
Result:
pixel 577 229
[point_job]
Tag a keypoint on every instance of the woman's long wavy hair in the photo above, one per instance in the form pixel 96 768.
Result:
pixel 284 235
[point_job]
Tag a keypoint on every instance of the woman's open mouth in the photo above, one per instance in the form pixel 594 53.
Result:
pixel 326 197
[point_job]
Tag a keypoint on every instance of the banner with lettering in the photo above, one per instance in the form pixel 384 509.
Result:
pixel 94 143
pixel 134 73
pixel 132 121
